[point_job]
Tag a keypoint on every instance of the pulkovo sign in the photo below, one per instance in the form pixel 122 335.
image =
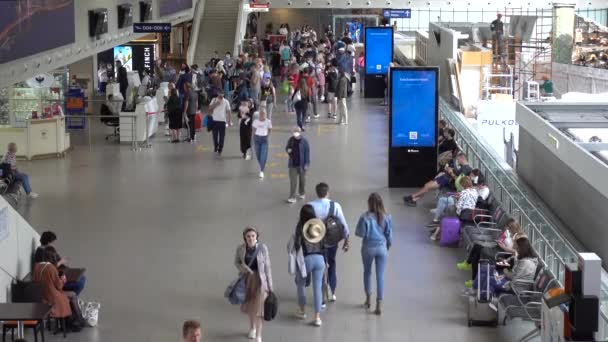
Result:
pixel 152 27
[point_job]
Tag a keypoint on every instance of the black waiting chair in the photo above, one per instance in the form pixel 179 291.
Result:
pixel 111 121
pixel 25 292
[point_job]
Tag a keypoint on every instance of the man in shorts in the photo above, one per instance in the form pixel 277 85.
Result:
pixel 331 81
pixel 442 180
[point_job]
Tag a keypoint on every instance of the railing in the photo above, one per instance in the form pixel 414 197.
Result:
pixel 135 146
pixel 196 25
pixel 551 246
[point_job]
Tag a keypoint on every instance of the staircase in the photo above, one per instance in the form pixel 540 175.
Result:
pixel 217 29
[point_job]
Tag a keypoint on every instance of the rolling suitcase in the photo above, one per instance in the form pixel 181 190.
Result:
pixel 450 231
pixel 479 311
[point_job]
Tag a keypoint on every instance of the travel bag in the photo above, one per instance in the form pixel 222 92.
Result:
pixel 450 231
pixel 479 311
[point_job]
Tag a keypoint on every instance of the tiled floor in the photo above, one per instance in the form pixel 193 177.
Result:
pixel 157 231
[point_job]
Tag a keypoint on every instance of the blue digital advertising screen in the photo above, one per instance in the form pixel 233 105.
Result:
pixel 378 49
pixel 413 107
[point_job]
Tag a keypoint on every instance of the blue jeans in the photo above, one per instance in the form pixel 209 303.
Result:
pixel 315 265
pixel 75 286
pixel 377 253
pixel 25 181
pixel 261 150
pixel 443 203
pixel 330 254
pixel 301 109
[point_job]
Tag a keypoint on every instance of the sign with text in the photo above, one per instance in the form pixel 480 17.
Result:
pixel 405 13
pixel 151 27
pixel 378 50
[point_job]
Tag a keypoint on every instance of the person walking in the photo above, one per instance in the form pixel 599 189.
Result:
pixel 360 66
pixel 268 95
pixel 191 331
pixel 300 100
pixel 342 94
pixel 190 109
pixel 332 86
pixel 174 110
pixel 375 227
pixel 261 130
pixel 246 109
pixel 255 83
pixel 309 238
pixel 298 151
pixel 253 260
pixel 123 83
pixel 10 158
pixel 324 208
pixel 220 111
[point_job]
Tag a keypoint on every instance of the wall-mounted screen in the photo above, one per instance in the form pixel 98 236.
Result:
pixel 124 54
pixel 378 49
pixel 414 107
pixel 166 7
pixel 23 23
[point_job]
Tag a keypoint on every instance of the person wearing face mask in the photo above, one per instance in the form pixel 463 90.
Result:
pixel 252 259
pixel 268 95
pixel 245 118
pixel 298 150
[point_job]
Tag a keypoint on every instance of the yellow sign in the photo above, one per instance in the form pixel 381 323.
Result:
pixel 278 175
pixel 282 155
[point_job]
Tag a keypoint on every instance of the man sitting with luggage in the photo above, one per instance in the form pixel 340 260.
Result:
pixel 442 180
pixel 11 158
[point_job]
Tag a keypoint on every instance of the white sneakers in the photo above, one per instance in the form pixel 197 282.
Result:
pixel 333 298
pixel 433 211
pixel 33 195
pixel 291 200
pixel 300 314
pixel 261 174
pixel 317 322
pixel 247 156
pixel 302 196
pixel 251 334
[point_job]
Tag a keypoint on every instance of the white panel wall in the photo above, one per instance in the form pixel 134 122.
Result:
pixel 85 46
pixel 437 54
pixel 16 250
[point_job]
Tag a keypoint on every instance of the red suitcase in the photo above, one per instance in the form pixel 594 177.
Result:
pixel 198 121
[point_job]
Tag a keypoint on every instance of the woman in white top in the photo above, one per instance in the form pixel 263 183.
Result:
pixel 261 131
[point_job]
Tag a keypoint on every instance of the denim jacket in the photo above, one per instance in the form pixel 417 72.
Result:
pixel 372 233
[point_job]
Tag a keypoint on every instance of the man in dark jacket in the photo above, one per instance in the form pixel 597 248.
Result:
pixel 123 82
pixel 299 161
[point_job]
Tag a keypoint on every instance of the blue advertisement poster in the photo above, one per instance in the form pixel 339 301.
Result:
pixel 378 49
pixel 413 107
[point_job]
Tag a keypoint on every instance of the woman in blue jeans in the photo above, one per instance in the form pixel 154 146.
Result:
pixel 309 236
pixel 261 132
pixel 375 227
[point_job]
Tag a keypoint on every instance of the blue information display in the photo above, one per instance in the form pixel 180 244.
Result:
pixel 378 50
pixel 413 108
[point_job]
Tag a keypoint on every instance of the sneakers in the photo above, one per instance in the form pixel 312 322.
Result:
pixel 409 201
pixel 433 211
pixel 261 174
pixel 317 322
pixel 291 200
pixel 316 116
pixel 300 314
pixel 32 195
pixel 247 156
pixel 258 339
pixel 464 266
pixel 323 306
pixel 302 196
pixel 468 284
pixel 329 115
pixel 251 334
pixel 333 298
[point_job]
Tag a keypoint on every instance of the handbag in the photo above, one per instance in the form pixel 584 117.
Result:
pixel 297 97
pixel 271 307
pixel 236 292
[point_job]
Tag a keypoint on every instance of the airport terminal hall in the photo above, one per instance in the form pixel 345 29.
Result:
pixel 303 170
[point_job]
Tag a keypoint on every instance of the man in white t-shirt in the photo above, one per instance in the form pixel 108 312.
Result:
pixel 220 111
pixel 261 131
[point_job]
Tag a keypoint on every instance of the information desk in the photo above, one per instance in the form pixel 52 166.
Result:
pixel 146 115
pixel 40 138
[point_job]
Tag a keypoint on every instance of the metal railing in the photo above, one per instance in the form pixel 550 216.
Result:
pixel 552 247
pixel 134 143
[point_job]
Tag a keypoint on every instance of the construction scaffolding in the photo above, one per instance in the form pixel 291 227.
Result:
pixel 527 48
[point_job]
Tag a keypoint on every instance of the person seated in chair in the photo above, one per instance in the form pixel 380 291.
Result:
pixel 447 143
pixel 520 276
pixel 11 158
pixel 442 180
pixel 47 239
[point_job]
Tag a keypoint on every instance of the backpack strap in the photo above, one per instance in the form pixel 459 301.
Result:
pixel 331 209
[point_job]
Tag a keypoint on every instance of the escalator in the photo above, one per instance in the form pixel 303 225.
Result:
pixel 217 29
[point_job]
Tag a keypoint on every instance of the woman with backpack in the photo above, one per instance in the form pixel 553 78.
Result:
pixel 300 100
pixel 375 227
pixel 252 259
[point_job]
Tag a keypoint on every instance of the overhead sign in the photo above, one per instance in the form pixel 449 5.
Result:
pixel 405 13
pixel 259 7
pixel 151 27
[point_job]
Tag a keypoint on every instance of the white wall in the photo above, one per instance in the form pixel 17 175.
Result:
pixel 437 54
pixel 85 46
pixel 16 249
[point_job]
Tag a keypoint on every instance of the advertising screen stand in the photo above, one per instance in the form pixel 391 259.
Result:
pixel 378 56
pixel 413 106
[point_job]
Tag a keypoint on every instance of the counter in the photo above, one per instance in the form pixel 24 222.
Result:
pixel 40 138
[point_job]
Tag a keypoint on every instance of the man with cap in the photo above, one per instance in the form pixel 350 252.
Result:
pixel 298 150
pixel 220 111
pixel 323 206
pixel 497 29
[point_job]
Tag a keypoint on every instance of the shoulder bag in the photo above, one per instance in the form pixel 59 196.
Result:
pixel 236 292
